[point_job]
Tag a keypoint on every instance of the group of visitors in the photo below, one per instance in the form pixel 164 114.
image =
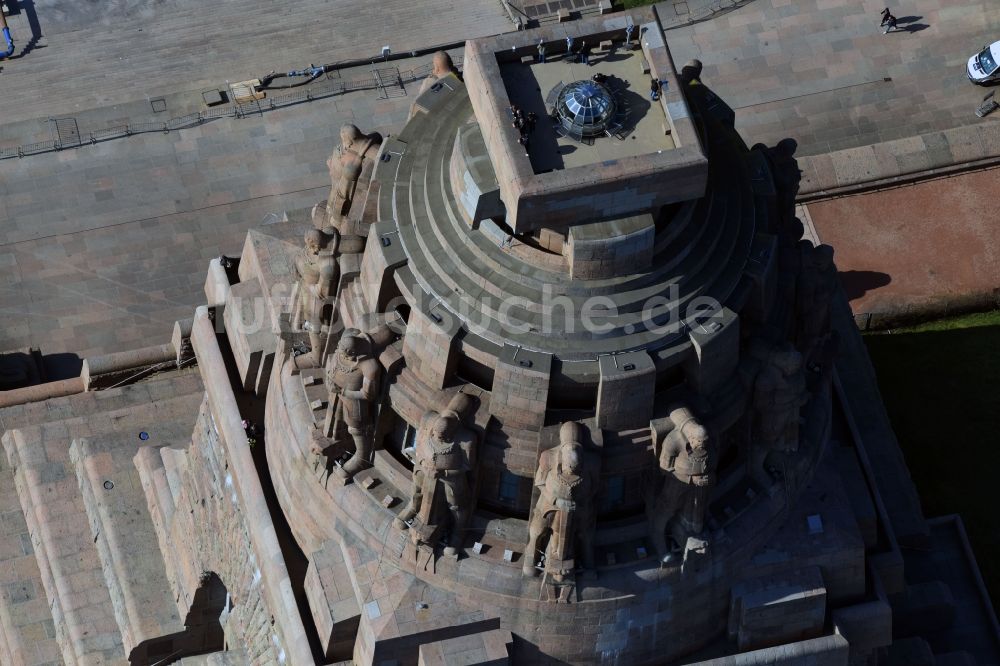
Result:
pixel 524 123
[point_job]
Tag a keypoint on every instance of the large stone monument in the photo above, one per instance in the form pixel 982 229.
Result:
pixel 554 380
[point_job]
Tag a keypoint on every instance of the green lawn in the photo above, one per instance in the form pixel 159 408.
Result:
pixel 941 385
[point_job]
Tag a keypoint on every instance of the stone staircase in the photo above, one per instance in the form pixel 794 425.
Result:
pixel 81 579
pixel 697 254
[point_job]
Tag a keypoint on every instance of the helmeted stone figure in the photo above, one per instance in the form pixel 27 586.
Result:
pixel 787 178
pixel 687 462
pixel 814 292
pixel 567 480
pixel 441 66
pixel 353 380
pixel 779 393
pixel 346 165
pixel 444 460
pixel 319 274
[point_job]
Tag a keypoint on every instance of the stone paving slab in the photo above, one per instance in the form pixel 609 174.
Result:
pixel 90 55
pixel 103 247
pixel 816 70
pixel 926 248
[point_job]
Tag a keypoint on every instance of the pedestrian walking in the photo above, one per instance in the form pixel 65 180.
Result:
pixel 541 51
pixel 584 53
pixel 569 46
pixel 890 24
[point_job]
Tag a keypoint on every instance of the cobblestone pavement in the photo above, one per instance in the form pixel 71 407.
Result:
pixel 103 247
pixel 817 70
pixel 77 55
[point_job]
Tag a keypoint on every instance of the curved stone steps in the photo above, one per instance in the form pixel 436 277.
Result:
pixel 487 251
pixel 498 289
pixel 513 268
pixel 646 339
pixel 625 288
pixel 697 251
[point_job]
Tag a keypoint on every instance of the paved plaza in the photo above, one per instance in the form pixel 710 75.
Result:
pixel 103 246
pixel 822 72
pixel 91 55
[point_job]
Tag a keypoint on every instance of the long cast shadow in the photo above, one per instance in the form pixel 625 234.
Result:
pixel 28 7
pixel 858 283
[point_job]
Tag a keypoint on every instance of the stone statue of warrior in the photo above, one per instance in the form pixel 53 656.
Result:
pixel 816 285
pixel 779 394
pixel 444 458
pixel 567 480
pixel 346 165
pixel 352 376
pixel 319 274
pixel 687 461
pixel 441 66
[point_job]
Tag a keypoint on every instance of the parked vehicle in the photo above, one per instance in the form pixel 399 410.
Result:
pixel 983 67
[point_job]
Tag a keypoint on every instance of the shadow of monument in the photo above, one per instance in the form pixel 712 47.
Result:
pixel 953 373
pixel 858 283
pixel 62 366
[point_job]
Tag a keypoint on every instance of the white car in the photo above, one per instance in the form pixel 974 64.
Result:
pixel 982 67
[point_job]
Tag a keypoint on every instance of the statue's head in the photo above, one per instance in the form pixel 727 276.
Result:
pixel 442 64
pixel 444 427
pixel 570 458
pixel 349 134
pixel 314 241
pixel 787 147
pixel 824 256
pixel 691 71
pixel 351 345
pixel 788 360
pixel 696 435
pixel 570 432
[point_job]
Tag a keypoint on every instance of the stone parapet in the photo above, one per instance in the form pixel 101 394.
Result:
pixel 290 636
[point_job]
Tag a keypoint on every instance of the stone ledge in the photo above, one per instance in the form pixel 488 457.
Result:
pixel 899 161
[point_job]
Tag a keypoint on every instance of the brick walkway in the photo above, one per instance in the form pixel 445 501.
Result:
pixel 932 246
pixel 814 70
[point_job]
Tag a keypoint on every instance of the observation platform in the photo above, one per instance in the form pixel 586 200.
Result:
pixel 643 124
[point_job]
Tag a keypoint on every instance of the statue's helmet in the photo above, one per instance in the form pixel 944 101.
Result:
pixel 570 457
pixel 691 71
pixel 696 434
pixel 788 360
pixel 442 64
pixel 570 432
pixel 351 344
pixel 349 133
pixel 824 255
pixel 787 147
pixel 314 239
pixel 444 426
